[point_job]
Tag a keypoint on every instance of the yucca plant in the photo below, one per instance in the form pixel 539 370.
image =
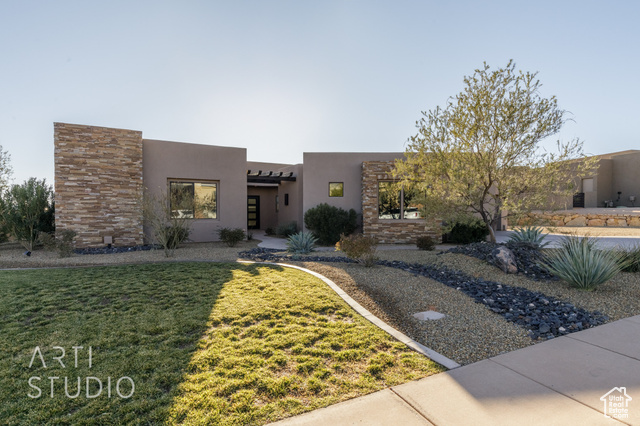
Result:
pixel 301 243
pixel 631 256
pixel 531 235
pixel 580 263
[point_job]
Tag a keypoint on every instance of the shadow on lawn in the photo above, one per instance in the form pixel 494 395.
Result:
pixel 143 324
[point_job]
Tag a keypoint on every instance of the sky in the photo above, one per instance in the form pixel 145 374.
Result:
pixel 285 77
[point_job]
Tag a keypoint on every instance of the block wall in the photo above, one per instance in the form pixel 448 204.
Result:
pixel 388 231
pixel 98 184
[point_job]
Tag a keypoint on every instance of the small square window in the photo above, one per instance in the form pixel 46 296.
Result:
pixel 336 189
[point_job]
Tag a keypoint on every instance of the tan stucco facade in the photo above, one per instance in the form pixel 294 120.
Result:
pixel 164 161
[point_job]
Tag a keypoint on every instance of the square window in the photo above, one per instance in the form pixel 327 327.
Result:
pixel 336 189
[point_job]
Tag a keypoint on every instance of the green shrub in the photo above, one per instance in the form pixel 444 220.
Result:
pixel 269 231
pixel 287 229
pixel 27 210
pixel 425 242
pixel 529 235
pixel 631 258
pixel 231 236
pixel 176 235
pixel 473 231
pixel 301 243
pixel 359 248
pixel 328 223
pixel 581 264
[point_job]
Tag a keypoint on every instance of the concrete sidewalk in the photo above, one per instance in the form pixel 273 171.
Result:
pixel 556 382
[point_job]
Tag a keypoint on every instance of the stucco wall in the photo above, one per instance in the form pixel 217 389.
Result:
pixel 626 178
pixel 320 168
pixel 98 184
pixel 164 160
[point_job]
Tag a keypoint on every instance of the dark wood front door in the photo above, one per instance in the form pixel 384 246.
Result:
pixel 253 212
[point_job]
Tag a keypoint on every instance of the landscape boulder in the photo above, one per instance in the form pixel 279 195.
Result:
pixel 505 260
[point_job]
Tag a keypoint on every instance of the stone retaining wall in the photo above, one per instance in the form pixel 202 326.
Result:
pixel 388 231
pixel 587 219
pixel 98 184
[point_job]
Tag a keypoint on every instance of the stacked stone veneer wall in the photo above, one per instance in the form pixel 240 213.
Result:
pixel 587 219
pixel 98 184
pixel 400 231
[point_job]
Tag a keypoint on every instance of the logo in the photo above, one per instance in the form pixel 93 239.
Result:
pixel 616 403
pixel 124 386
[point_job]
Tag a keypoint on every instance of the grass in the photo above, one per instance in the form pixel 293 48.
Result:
pixel 203 343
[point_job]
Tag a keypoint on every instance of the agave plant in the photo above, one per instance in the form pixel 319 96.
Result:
pixel 301 243
pixel 531 235
pixel 579 262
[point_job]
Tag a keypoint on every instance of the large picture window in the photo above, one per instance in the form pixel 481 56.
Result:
pixel 197 200
pixel 398 202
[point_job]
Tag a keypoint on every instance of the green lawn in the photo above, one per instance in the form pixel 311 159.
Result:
pixel 203 343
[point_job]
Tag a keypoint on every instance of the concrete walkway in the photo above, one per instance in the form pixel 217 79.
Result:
pixel 556 382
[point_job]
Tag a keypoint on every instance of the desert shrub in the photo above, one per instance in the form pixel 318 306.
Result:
pixel 301 243
pixel 359 248
pixel 425 242
pixel 473 231
pixel 63 242
pixel 27 211
pixel 580 263
pixel 329 223
pixel 176 235
pixel 631 258
pixel 270 231
pixel 231 236
pixel 530 235
pixel 287 229
pixel 166 228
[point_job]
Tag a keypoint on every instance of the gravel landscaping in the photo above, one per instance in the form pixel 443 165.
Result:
pixel 397 289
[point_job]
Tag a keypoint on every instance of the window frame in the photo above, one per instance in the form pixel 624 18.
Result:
pixel 402 211
pixel 341 189
pixel 193 183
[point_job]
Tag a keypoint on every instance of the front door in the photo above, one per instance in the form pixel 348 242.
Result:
pixel 253 212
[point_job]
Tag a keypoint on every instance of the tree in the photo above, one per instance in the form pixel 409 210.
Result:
pixel 482 153
pixel 5 170
pixel 26 210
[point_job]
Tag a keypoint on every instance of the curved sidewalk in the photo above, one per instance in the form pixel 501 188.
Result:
pixel 563 381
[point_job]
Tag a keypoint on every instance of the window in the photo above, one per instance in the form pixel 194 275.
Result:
pixel 395 202
pixel 197 200
pixel 336 189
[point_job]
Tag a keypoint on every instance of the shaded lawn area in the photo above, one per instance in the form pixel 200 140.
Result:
pixel 203 343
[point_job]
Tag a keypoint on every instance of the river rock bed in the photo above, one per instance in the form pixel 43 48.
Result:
pixel 543 316
pixel 527 258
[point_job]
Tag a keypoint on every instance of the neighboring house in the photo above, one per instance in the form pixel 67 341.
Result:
pixel 615 184
pixel 101 173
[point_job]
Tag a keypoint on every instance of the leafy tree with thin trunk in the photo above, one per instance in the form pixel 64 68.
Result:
pixel 26 210
pixel 482 153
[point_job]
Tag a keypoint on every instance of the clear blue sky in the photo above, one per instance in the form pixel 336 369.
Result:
pixel 284 77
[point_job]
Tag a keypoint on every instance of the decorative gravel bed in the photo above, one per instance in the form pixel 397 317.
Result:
pixel 114 250
pixel 527 258
pixel 543 316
